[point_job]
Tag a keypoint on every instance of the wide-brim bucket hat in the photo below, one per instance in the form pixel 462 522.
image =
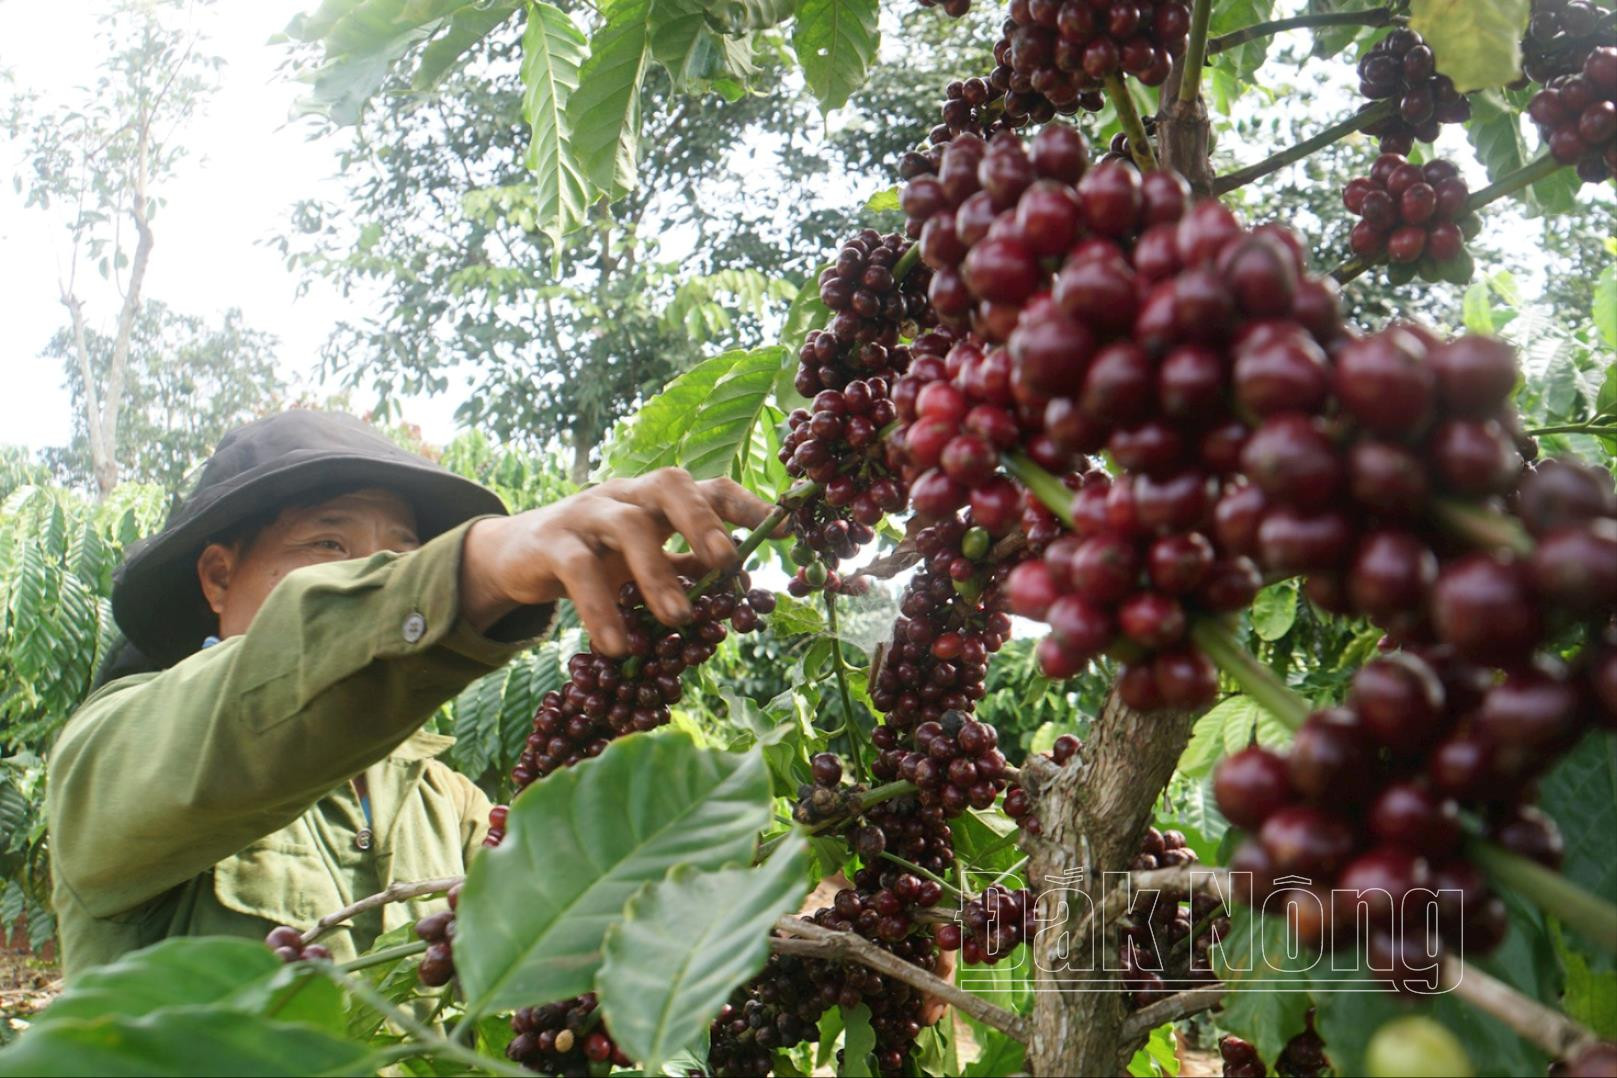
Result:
pixel 157 598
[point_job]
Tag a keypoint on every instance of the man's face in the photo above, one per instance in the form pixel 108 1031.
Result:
pixel 236 581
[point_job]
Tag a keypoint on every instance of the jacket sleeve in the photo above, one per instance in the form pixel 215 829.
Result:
pixel 154 780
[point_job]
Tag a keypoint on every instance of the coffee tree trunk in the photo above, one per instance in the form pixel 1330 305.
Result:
pixel 1095 810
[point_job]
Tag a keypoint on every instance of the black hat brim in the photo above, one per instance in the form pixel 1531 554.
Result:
pixel 157 598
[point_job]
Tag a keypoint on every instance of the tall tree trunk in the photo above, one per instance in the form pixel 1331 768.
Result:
pixel 106 470
pixel 583 443
pixel 1093 813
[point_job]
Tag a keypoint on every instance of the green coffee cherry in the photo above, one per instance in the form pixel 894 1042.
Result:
pixel 975 544
pixel 815 574
pixel 802 554
pixel 1416 1047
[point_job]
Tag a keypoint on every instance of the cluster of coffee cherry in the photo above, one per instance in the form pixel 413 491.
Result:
pixel 1166 934
pixel 1402 66
pixel 951 619
pixel 1302 1057
pixel 1560 36
pixel 1577 116
pixel 437 966
pixel 1366 805
pixel 1414 215
pixel 781 1007
pixel 991 925
pixel 605 697
pixel 287 943
pixel 1097 38
pixel 563 1038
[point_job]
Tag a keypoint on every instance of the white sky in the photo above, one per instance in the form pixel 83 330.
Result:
pixel 248 165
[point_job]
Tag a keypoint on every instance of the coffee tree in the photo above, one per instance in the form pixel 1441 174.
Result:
pixel 1348 788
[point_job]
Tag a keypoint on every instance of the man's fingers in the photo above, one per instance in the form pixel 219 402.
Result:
pixel 641 546
pixel 593 594
pixel 737 504
pixel 684 503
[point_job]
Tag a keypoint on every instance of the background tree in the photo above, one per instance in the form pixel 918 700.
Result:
pixel 102 161
pixel 185 384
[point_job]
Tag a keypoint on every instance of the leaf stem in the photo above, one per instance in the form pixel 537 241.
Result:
pixel 1045 487
pixel 1600 426
pixel 1591 915
pixel 1481 527
pixel 428 1041
pixel 856 736
pixel 1512 182
pixel 1258 681
pixel 907 261
pixel 1352 268
pixel 384 956
pixel 1335 133
pixel 1196 52
pixel 927 873
pixel 1133 126
pixel 1376 16
pixel 755 538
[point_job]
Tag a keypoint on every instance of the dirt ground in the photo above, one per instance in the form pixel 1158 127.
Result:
pixel 26 984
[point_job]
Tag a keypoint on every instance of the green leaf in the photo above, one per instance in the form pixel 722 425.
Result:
pixel 1159 1054
pixel 685 45
pixel 883 201
pixel 1268 994
pixel 651 439
pixel 181 1041
pixel 685 943
pixel 1000 1054
pixel 603 112
pixel 1477 42
pixel 1228 728
pixel 1591 995
pixel 467 27
pixel 1274 611
pixel 1229 15
pixel 1605 313
pixel 858 1041
pixel 175 972
pixel 1606 398
pixel 1477 312
pixel 1580 794
pixel 723 424
pixel 736 16
pixel 536 908
pixel 552 51
pixel 794 617
pixel 836 42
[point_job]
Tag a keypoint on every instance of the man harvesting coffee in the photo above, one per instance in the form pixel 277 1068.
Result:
pixel 300 616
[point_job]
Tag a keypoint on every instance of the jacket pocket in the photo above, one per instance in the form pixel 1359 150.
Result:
pixel 282 878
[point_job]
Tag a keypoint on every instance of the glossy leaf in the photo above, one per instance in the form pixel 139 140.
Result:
pixel 836 42
pixel 604 111
pixel 1477 42
pixel 175 972
pixel 685 943
pixel 552 51
pixel 536 908
pixel 181 1041
pixel 466 28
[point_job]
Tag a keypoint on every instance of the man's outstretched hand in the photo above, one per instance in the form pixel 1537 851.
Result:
pixel 587 546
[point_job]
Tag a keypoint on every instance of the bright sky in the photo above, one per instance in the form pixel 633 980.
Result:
pixel 249 165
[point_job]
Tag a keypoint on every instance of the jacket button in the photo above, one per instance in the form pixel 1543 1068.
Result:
pixel 415 627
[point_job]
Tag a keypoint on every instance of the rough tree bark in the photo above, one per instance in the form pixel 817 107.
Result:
pixel 1093 813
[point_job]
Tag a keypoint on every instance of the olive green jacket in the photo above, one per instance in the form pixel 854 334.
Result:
pixel 214 797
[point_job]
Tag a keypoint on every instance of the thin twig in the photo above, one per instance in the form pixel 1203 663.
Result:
pixel 1196 52
pixel 427 1041
pixel 1177 1006
pixel 1129 117
pixel 384 956
pixel 856 736
pixel 1589 914
pixel 398 892
pixel 925 872
pixel 1337 131
pixel 755 539
pixel 1376 16
pixel 809 939
pixel 1259 682
pixel 1546 1027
